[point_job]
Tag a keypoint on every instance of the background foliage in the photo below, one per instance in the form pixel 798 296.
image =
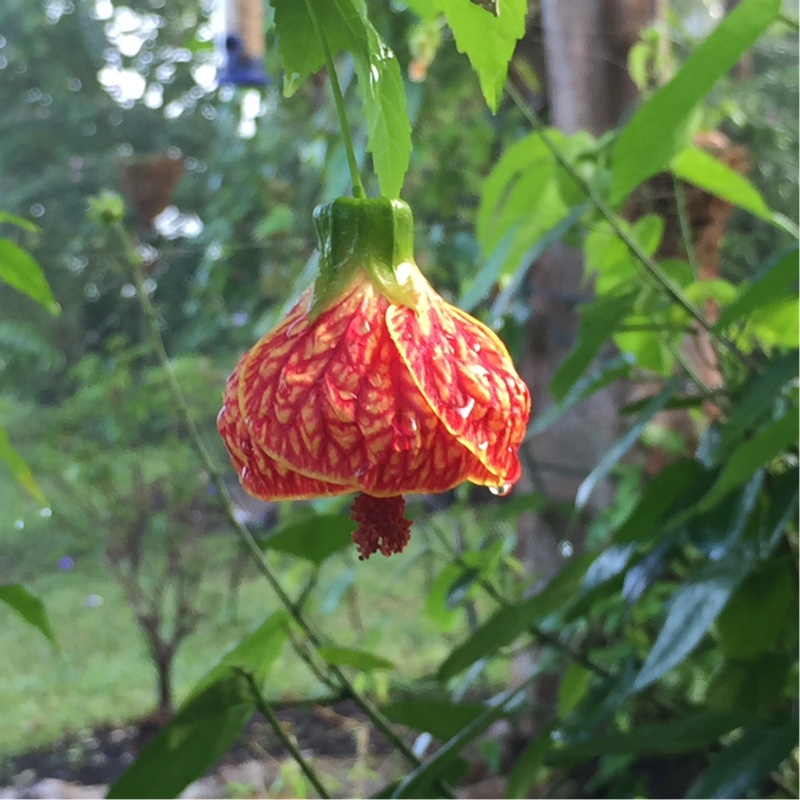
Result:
pixel 664 651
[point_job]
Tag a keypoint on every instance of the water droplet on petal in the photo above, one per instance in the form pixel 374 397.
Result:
pixel 465 410
pixel 476 347
pixel 500 491
pixel 362 326
pixel 483 446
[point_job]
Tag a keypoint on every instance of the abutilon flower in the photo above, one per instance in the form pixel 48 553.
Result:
pixel 373 384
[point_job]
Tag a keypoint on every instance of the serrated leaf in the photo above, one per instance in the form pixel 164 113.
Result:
pixel 208 722
pixel 748 761
pixel 692 610
pixel 20 471
pixel 20 271
pixel 346 26
pixel 488 42
pixel 599 319
pixel 350 657
pixel 440 718
pixel 388 128
pixel 315 539
pixel 656 131
pixel 29 607
pixel 767 443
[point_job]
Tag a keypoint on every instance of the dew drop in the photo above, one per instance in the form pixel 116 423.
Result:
pixel 465 410
pixel 362 326
pixel 483 446
pixel 565 549
pixel 500 491
pixel 476 347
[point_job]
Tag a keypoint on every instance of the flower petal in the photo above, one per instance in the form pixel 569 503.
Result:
pixel 330 399
pixel 466 374
pixel 260 475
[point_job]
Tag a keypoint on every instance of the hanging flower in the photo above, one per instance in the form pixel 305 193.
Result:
pixel 373 384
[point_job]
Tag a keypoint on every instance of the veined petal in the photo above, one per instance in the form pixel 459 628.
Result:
pixel 466 375
pixel 260 475
pixel 330 400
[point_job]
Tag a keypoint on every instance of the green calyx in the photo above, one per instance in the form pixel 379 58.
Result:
pixel 376 235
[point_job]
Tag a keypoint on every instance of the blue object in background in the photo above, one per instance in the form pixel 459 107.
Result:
pixel 241 69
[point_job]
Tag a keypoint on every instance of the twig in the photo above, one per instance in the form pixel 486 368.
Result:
pixel 264 707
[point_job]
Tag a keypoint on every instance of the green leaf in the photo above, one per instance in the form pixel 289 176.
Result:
pixel 348 657
pixel 689 732
pixel 774 284
pixel 20 271
pixel 19 469
pixel 347 27
pixel 663 491
pixel 314 539
pixel 692 610
pixel 756 401
pixel 656 131
pixel 525 768
pixel 436 605
pixel 510 621
pixel 388 128
pixel 495 707
pixel 767 443
pixel 30 608
pixel 208 722
pixel 488 41
pixel 599 319
pixel 440 718
pixel 573 687
pixel 709 173
pixel 743 765
pixel 613 455
pixel 757 614
pixel 750 686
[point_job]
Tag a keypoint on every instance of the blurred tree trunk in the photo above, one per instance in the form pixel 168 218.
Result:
pixel 583 48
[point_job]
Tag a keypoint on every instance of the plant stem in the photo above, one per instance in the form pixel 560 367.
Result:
pixel 347 140
pixel 264 707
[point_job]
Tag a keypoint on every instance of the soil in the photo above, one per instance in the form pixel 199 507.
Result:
pixel 338 733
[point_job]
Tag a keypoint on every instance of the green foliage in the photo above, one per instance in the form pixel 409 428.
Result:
pixel 30 608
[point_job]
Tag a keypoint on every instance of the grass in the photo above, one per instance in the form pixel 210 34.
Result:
pixel 100 670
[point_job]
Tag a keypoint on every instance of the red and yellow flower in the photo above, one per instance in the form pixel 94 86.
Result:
pixel 373 384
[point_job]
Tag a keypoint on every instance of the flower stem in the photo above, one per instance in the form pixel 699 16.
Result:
pixel 347 139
